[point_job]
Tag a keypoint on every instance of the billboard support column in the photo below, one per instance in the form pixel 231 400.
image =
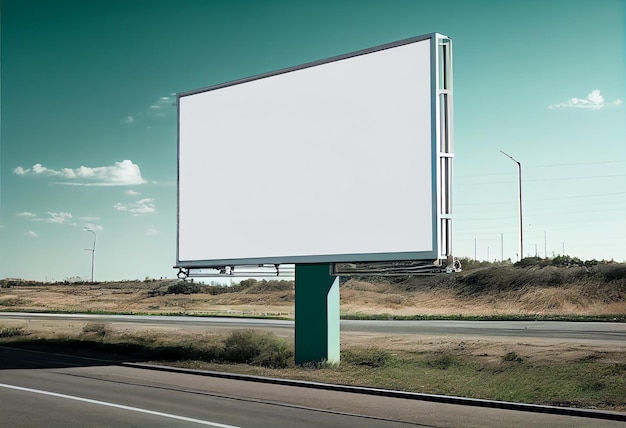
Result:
pixel 317 314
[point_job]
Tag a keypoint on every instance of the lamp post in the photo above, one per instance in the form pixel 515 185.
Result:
pixel 93 250
pixel 519 183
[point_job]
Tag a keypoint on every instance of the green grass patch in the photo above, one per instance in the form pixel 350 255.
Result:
pixel 367 357
pixel 585 384
pixel 257 349
pixel 621 318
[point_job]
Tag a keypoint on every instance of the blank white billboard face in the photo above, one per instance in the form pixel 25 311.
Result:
pixel 327 163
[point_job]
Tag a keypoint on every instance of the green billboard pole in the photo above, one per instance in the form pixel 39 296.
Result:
pixel 317 314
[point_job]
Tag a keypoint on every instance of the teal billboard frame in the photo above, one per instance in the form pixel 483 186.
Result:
pixel 440 180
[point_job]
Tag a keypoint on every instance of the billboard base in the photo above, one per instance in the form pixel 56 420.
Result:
pixel 398 268
pixel 317 314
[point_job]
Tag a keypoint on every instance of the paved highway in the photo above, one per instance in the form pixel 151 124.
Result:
pixel 581 332
pixel 50 390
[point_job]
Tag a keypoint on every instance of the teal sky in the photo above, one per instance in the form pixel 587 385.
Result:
pixel 88 125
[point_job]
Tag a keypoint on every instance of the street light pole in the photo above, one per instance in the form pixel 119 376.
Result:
pixel 519 183
pixel 93 251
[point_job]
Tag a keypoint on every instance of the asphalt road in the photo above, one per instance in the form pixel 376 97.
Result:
pixel 69 391
pixel 580 332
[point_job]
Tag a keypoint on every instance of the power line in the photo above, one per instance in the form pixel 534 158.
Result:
pixel 582 177
pixel 544 166
pixel 540 200
pixel 577 163
pixel 577 178
pixel 481 175
pixel 577 196
pixel 537 213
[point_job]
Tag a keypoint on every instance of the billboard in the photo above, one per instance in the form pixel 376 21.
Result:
pixel 343 159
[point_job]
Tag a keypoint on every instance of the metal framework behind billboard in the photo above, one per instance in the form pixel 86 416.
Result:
pixel 347 159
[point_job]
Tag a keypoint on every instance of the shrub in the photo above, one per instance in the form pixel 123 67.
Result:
pixel 468 264
pixel 566 261
pixel 612 271
pixel 183 287
pixel 532 262
pixel 512 357
pixel 11 331
pixel 257 349
pixel 12 301
pixel 259 287
pixel 246 283
pixel 99 329
pixel 498 278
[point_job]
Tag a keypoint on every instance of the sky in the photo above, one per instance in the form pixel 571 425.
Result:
pixel 88 118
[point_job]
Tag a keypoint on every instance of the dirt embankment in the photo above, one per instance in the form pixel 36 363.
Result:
pixel 491 291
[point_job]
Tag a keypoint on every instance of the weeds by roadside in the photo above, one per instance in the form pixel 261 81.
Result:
pixel 11 331
pixel 97 329
pixel 262 349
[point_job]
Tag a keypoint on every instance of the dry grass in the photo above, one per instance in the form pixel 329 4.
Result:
pixel 539 300
pixel 473 294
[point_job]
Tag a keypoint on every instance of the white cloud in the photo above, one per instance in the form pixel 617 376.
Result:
pixel 59 218
pixel 64 218
pixel 40 169
pixel 92 226
pixel 31 234
pixel 593 101
pixel 152 231
pixel 131 192
pixel 124 173
pixel 163 106
pixel 143 206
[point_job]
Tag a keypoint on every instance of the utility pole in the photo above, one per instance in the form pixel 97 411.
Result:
pixel 93 251
pixel 519 183
pixel 474 248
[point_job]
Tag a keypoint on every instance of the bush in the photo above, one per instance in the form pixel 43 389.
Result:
pixel 468 264
pixel 183 287
pixel 99 329
pixel 257 349
pixel 532 262
pixel 12 301
pixel 482 280
pixel 259 287
pixel 11 331
pixel 512 357
pixel 612 271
